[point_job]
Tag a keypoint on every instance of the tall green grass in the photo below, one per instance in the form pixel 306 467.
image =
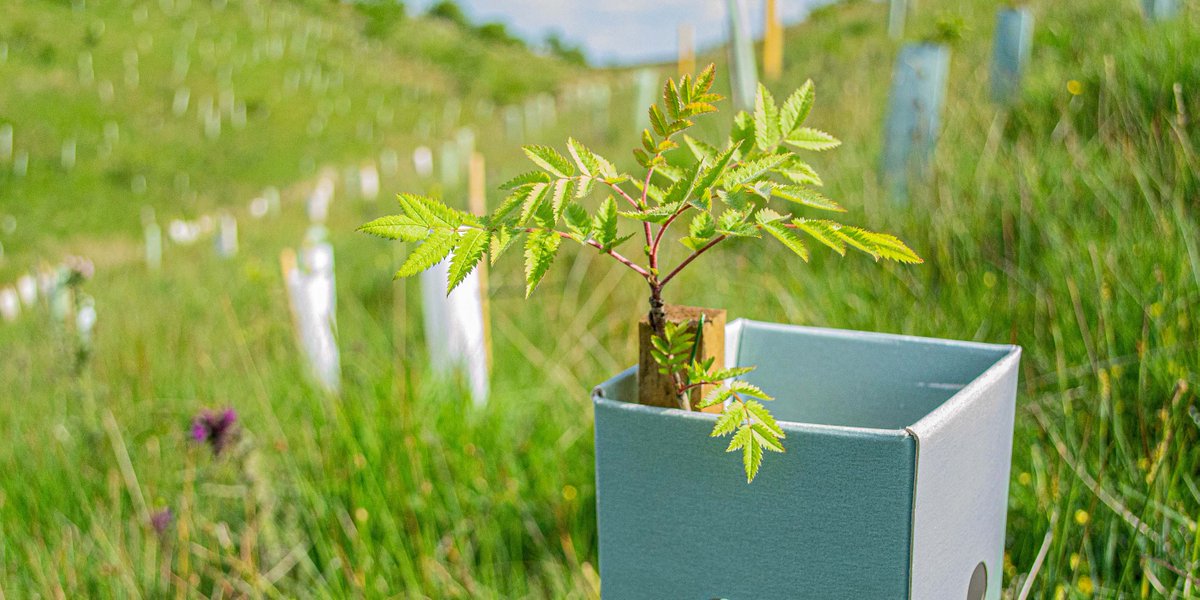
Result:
pixel 1067 225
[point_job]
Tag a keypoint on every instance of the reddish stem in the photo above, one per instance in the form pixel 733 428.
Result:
pixel 690 258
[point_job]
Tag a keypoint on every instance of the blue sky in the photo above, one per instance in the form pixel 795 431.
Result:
pixel 620 31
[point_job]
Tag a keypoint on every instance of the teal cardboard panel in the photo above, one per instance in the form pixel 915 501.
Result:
pixel 1010 53
pixel 857 379
pixel 830 518
pixel 914 114
pixel 894 483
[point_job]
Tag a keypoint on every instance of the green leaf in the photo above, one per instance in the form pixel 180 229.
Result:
pixel 800 172
pixel 715 397
pixel 796 108
pixel 740 439
pixel 807 138
pixel 657 121
pixel 766 120
pixel 878 245
pixel 823 232
pixel 467 255
pixel 787 237
pixel 578 220
pixel 704 80
pixel 502 238
pixel 806 196
pixel 549 159
pixel 766 438
pixel 430 212
pixel 563 190
pixel 540 248
pixel 752 453
pixel 431 252
pixel 396 227
pixel 526 178
pixel 750 171
pixel 730 373
pixel 533 200
pixel 655 214
pixel 671 99
pixel 729 420
pixel 742 135
pixel 713 174
pixel 605 225
pixel 701 150
pixel 742 388
pixel 702 226
pixel 764 416
pixel 587 161
pixel 682 188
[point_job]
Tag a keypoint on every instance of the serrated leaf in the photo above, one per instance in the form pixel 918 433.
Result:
pixel 742 135
pixel 766 438
pixel 730 373
pixel 562 191
pixel 642 158
pixel 578 220
pixel 502 239
pixel 526 178
pixel 766 120
pixel 533 201
pixel 703 226
pixel 822 232
pixel 549 159
pixel 742 388
pixel 729 420
pixel 806 196
pixel 467 254
pixel 752 453
pixel 429 212
pixel 800 172
pixel 655 214
pixel 764 416
pixel 396 227
pixel 701 150
pixel 787 237
pixel 585 159
pixel 431 252
pixel 657 121
pixel 749 171
pixel 715 397
pixel 713 174
pixel 604 227
pixel 671 98
pixel 682 188
pixel 704 80
pixel 878 245
pixel 740 439
pixel 807 138
pixel 796 108
pixel 540 249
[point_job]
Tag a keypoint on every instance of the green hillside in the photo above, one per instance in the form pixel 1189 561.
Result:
pixel 1068 225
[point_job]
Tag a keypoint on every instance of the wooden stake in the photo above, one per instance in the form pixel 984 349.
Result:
pixel 477 204
pixel 656 389
pixel 687 49
pixel 772 42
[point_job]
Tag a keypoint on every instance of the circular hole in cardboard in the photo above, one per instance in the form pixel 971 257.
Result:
pixel 977 589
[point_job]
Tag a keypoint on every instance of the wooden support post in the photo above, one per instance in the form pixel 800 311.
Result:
pixel 656 389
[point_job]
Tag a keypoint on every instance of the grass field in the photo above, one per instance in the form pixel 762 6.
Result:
pixel 1068 225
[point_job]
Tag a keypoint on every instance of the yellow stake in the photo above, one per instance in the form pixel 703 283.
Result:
pixel 687 49
pixel 772 42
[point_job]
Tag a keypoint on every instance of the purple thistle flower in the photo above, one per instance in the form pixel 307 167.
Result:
pixel 161 520
pixel 217 429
